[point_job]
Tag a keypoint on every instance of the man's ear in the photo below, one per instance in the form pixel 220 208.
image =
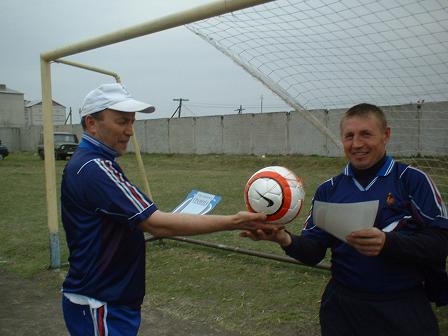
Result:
pixel 91 126
pixel 387 135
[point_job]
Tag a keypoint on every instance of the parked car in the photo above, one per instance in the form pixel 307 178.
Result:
pixel 65 144
pixel 4 152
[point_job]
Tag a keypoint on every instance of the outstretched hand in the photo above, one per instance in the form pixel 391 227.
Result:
pixel 369 242
pixel 245 220
pixel 276 234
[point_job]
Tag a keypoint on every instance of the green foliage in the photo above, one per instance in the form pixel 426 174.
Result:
pixel 222 289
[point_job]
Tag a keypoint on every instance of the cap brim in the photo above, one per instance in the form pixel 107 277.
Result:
pixel 132 105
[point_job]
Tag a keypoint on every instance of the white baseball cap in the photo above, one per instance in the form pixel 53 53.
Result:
pixel 115 97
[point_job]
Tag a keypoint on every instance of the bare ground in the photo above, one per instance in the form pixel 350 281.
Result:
pixel 29 309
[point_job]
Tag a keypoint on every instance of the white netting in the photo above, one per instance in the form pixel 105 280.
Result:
pixel 328 54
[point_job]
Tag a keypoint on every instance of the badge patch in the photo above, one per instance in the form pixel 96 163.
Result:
pixel 390 200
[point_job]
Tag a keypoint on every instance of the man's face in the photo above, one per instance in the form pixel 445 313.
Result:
pixel 114 129
pixel 364 141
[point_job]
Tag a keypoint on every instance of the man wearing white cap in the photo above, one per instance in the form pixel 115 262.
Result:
pixel 104 216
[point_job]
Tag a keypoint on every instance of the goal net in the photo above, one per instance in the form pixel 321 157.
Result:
pixel 327 55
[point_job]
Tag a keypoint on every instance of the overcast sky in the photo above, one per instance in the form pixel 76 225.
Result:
pixel 155 68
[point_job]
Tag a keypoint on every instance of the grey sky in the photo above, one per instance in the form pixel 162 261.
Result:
pixel 155 68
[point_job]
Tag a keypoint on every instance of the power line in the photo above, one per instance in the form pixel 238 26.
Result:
pixel 219 105
pixel 192 112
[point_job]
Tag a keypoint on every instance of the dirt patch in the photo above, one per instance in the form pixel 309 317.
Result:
pixel 30 309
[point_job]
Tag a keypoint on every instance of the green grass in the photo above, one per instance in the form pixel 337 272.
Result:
pixel 222 289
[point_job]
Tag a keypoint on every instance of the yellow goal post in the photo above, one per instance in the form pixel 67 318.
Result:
pixel 170 21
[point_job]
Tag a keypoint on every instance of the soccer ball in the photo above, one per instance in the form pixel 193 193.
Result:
pixel 275 191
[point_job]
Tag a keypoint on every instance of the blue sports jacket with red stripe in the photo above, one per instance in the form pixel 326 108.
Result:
pixel 101 210
pixel 410 206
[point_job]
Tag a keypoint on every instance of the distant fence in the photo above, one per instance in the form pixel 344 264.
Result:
pixel 415 130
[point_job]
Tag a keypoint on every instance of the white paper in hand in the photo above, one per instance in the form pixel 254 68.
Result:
pixel 341 219
pixel 197 203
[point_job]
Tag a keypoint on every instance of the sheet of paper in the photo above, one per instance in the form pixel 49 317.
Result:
pixel 341 219
pixel 198 203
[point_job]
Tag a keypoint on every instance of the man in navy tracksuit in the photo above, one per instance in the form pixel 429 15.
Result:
pixel 104 216
pixel 383 278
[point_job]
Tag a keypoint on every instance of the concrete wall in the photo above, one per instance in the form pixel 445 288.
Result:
pixel 12 109
pixel 417 130
pixel 414 131
pixel 11 137
pixel 30 138
pixel 209 135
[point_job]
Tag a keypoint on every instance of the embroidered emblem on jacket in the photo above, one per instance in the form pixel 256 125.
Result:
pixel 390 200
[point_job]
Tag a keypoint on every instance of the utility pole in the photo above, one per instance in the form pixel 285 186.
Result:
pixel 240 109
pixel 69 116
pixel 179 107
pixel 261 104
pixel 419 127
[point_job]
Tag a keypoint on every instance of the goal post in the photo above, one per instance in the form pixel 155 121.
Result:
pixel 164 23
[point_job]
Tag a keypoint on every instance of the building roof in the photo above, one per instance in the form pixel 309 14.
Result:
pixel 4 89
pixel 39 102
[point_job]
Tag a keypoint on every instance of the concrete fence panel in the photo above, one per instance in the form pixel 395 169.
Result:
pixel 237 134
pixel 416 130
pixel 182 135
pixel 269 133
pixel 209 135
pixel 304 138
pixel 156 136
